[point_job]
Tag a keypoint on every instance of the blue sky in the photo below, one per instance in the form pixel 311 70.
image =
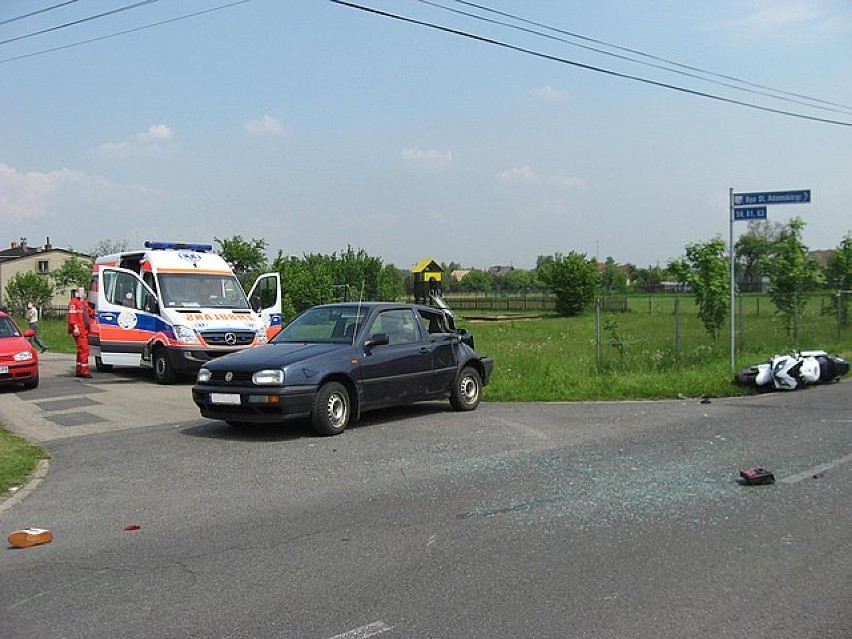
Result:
pixel 316 126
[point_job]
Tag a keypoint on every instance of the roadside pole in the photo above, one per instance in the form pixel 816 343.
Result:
pixel 752 206
pixel 731 256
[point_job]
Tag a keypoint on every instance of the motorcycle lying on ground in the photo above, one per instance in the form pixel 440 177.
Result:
pixel 794 370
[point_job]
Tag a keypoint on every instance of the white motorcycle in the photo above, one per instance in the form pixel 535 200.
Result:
pixel 794 370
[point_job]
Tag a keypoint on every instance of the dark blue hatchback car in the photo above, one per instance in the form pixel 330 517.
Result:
pixel 335 361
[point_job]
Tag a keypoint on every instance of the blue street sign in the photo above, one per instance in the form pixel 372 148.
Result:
pixel 750 213
pixel 773 197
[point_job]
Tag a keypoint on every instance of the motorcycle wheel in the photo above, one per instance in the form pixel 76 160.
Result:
pixel 747 376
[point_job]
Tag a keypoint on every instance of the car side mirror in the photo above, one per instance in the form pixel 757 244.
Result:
pixel 151 305
pixel 379 339
pixel 255 303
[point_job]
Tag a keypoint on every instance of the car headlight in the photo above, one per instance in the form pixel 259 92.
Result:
pixel 24 356
pixel 185 334
pixel 203 376
pixel 272 377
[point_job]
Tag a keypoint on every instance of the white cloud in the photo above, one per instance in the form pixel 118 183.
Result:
pixel 549 94
pixel 155 140
pixel 156 133
pixel 790 18
pixel 428 158
pixel 525 176
pixel 35 195
pixel 267 125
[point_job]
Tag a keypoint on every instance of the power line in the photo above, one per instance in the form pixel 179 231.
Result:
pixel 776 94
pixel 125 32
pixel 80 21
pixel 648 55
pixel 587 67
pixel 35 13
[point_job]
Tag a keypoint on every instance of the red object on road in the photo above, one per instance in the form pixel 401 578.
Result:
pixel 132 527
pixel 757 476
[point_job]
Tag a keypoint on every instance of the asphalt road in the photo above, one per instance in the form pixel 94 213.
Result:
pixel 517 520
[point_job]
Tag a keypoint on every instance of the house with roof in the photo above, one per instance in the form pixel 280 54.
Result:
pixel 21 257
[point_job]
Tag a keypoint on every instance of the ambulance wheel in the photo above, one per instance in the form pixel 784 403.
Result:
pixel 101 367
pixel 164 373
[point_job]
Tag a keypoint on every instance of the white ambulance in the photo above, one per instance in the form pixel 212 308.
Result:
pixel 173 306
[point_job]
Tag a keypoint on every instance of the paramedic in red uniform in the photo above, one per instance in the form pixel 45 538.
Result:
pixel 79 315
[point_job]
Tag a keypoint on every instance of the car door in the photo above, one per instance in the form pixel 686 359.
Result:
pixel 444 344
pixel 267 289
pixel 397 372
pixel 126 317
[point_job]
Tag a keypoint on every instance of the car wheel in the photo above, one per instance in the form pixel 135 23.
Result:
pixel 101 367
pixel 467 390
pixel 33 383
pixel 332 409
pixel 163 371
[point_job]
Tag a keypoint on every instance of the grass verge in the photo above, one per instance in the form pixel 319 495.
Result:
pixel 18 458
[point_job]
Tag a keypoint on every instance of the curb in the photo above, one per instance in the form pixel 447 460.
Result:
pixel 31 484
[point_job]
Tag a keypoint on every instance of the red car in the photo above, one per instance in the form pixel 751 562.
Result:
pixel 18 358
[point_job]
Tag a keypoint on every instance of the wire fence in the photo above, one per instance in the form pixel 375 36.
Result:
pixel 657 331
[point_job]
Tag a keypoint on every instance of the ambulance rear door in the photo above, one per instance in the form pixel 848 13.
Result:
pixel 128 317
pixel 266 292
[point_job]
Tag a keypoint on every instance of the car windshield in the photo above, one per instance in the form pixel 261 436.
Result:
pixel 331 324
pixel 8 328
pixel 201 290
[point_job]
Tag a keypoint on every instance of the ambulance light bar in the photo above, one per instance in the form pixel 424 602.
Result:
pixel 161 246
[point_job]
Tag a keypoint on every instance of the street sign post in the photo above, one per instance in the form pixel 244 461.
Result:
pixel 752 206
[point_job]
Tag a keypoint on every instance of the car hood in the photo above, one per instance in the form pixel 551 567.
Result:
pixel 272 356
pixel 9 346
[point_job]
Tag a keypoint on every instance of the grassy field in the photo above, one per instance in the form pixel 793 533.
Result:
pixel 643 355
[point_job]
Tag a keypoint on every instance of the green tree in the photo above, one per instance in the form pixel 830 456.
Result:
pixel 706 271
pixel 304 283
pixel 838 275
pixel 791 272
pixel 476 280
pixel 613 279
pixel 391 285
pixel 648 280
pixel 574 280
pixel 23 287
pixel 244 256
pixel 838 271
pixel 73 272
pixel 751 251
pixel 518 280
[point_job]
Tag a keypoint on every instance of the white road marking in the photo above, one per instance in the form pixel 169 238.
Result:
pixel 375 628
pixel 792 479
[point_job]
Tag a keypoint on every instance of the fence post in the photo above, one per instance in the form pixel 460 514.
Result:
pixel 598 332
pixel 795 316
pixel 677 328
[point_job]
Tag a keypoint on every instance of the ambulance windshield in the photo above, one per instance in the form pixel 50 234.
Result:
pixel 201 290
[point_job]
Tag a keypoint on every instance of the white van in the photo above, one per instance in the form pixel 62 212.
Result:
pixel 173 306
